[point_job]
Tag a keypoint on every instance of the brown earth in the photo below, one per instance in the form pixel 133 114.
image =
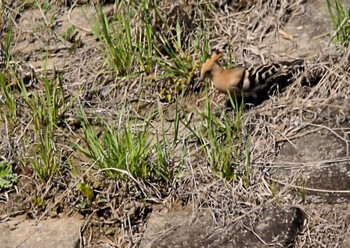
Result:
pixel 298 191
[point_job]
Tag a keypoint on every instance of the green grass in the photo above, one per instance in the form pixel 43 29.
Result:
pixel 222 142
pixel 41 112
pixel 131 50
pixel 130 151
pixel 5 81
pixel 120 147
pixel 7 177
pixel 165 148
pixel 118 46
pixel 46 160
pixel 10 101
pixel 8 43
pixel 125 149
pixel 45 109
pixel 340 17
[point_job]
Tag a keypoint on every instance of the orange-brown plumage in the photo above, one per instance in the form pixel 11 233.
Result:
pixel 239 80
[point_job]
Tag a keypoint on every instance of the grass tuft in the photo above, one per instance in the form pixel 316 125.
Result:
pixel 159 54
pixel 118 45
pixel 340 17
pixel 10 100
pixel 45 109
pixel 222 142
pixel 124 149
pixel 120 147
pixel 7 177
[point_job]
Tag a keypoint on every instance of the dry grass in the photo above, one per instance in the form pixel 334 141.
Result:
pixel 120 207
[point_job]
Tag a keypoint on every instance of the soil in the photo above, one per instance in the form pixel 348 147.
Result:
pixel 299 138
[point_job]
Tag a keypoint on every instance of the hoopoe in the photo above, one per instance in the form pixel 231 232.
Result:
pixel 238 81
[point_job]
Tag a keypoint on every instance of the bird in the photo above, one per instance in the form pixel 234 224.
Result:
pixel 241 81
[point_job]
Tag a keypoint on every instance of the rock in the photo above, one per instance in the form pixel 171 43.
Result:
pixel 277 225
pixel 186 228
pixel 346 241
pixel 59 232
pixel 324 169
pixel 181 228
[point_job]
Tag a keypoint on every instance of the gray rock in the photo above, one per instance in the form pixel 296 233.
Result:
pixel 185 228
pixel 323 169
pixel 346 241
pixel 277 226
pixel 59 232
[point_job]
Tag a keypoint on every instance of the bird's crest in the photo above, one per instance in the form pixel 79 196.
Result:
pixel 208 65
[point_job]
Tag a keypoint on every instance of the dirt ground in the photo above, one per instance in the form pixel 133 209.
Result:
pixel 257 32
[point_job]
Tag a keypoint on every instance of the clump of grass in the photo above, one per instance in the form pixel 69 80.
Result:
pixel 118 45
pixel 177 57
pixel 5 80
pixel 7 177
pixel 340 17
pixel 43 7
pixel 146 46
pixel 120 147
pixel 45 162
pixel 45 109
pixel 165 148
pixel 10 100
pixel 8 39
pixel 42 109
pixel 125 149
pixel 222 142
pixel 133 45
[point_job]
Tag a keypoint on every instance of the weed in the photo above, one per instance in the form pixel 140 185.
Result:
pixel 221 141
pixel 340 17
pixel 9 99
pixel 118 47
pixel 43 8
pixel 45 109
pixel 37 201
pixel 68 35
pixel 86 190
pixel 120 147
pixel 165 148
pixel 7 177
pixel 274 189
pixel 127 47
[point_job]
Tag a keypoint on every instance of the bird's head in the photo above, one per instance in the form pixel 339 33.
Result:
pixel 209 63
